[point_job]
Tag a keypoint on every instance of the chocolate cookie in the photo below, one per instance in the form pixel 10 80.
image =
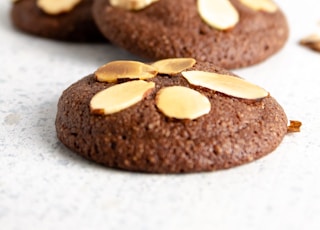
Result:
pixel 169 117
pixel 231 34
pixel 61 20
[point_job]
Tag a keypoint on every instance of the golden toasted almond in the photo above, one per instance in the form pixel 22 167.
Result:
pixel 120 97
pixel 182 103
pixel 229 85
pixel 113 71
pixel 219 14
pixel 174 65
pixel 263 5
pixel 54 7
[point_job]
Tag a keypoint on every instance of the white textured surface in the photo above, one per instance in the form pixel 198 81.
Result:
pixel 45 186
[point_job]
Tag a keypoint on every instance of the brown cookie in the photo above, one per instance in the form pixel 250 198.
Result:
pixel 167 131
pixel 167 28
pixel 72 24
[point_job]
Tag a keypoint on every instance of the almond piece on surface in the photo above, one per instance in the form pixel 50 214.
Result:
pixel 119 97
pixel 54 7
pixel 219 14
pixel 115 70
pixel 229 85
pixel 182 103
pixel 263 5
pixel 174 65
pixel 312 42
pixel 132 4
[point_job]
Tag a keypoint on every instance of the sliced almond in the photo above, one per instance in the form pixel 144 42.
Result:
pixel 182 103
pixel 219 14
pixel 312 41
pixel 229 85
pixel 174 65
pixel 115 70
pixel 120 97
pixel 57 6
pixel 263 5
pixel 132 4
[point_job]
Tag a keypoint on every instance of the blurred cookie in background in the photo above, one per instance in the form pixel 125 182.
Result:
pixel 69 20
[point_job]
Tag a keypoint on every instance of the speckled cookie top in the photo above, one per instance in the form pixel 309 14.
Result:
pixel 142 138
pixel 168 28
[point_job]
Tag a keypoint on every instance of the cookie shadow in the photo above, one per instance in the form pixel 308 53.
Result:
pixel 44 133
pixel 5 16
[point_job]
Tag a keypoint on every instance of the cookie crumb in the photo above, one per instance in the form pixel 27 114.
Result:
pixel 294 126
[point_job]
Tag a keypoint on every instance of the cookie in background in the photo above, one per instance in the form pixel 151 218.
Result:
pixel 56 19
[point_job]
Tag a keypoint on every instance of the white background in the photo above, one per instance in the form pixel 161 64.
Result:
pixel 43 185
